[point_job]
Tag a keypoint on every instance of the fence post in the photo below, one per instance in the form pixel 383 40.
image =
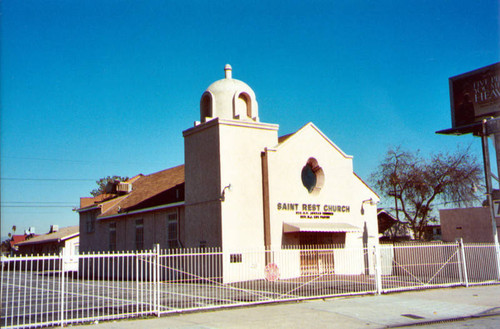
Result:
pixel 61 262
pixel 464 264
pixel 378 269
pixel 157 279
pixel 137 279
pixel 459 261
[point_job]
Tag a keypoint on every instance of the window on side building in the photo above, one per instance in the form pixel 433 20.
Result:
pixel 139 234
pixel 172 230
pixel 112 236
pixel 90 222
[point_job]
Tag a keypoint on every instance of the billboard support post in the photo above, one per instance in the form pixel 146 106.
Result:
pixel 475 108
pixel 489 189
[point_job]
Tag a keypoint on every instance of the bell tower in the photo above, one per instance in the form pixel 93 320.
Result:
pixel 229 98
pixel 224 201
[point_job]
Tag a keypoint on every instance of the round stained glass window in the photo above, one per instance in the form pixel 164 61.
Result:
pixel 309 178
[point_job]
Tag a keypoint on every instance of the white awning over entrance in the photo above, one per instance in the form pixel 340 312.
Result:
pixel 319 227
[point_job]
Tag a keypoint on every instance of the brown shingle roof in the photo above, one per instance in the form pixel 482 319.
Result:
pixel 62 234
pixel 284 137
pixel 163 187
pixel 91 201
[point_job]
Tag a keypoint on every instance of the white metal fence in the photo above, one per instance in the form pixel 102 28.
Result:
pixel 45 290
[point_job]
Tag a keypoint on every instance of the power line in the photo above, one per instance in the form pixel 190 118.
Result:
pixel 48 159
pixel 49 179
pixel 49 211
pixel 80 161
pixel 37 206
pixel 37 202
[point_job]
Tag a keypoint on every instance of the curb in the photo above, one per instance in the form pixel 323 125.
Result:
pixel 491 312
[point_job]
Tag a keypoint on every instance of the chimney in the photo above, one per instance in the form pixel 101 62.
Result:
pixel 54 228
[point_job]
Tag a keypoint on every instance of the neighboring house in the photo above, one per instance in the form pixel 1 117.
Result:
pixel 385 221
pixel 473 225
pixel 8 245
pixel 432 232
pixel 136 214
pixel 15 239
pixel 241 188
pixel 63 241
pixel 390 229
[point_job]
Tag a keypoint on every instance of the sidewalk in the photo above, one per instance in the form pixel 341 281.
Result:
pixel 390 310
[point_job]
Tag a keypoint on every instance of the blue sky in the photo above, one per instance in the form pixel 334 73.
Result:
pixel 101 87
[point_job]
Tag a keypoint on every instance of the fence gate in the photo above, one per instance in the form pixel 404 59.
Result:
pixel 419 266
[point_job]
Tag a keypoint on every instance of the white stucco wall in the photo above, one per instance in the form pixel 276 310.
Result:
pixel 341 188
pixel 242 209
pixel 203 186
pixel 222 153
pixel 241 167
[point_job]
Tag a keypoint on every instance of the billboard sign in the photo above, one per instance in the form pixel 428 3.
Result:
pixel 475 95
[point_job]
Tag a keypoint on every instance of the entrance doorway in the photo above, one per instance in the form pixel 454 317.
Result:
pixel 317 255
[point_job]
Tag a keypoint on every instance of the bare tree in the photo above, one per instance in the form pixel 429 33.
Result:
pixel 416 183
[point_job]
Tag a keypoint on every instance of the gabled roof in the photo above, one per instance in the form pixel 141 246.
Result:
pixel 364 183
pixel 61 235
pixel 160 188
pixel 283 140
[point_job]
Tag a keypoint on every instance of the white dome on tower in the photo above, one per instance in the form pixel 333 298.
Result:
pixel 229 98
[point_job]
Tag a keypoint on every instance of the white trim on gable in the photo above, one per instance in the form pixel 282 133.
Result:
pixel 299 132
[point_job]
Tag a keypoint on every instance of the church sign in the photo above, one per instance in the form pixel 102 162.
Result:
pixel 475 95
pixel 313 211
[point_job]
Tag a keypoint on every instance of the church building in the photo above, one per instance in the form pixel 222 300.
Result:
pixel 242 187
